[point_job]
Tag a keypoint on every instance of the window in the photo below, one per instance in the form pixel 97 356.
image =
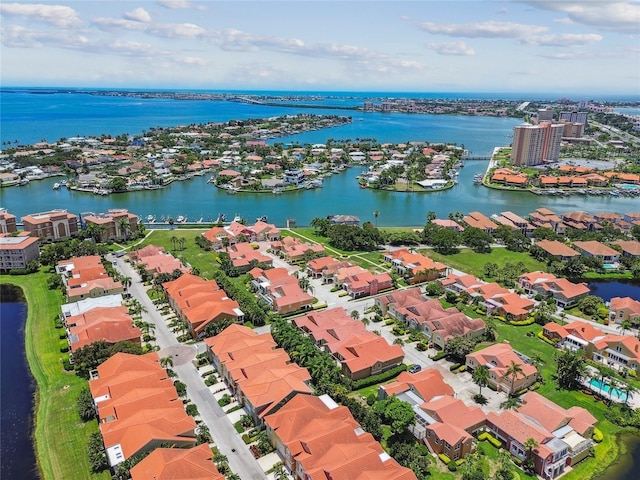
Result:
pixel 457 446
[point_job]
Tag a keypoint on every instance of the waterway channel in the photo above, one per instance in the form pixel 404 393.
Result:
pixel 17 390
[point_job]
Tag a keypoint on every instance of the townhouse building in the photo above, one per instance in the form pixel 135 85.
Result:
pixel 52 225
pixel 114 224
pixel 280 290
pixel 557 250
pixel 563 292
pixel 417 268
pixel 173 463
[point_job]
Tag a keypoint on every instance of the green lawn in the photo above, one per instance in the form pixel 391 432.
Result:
pixel 470 262
pixel 60 435
pixel 194 255
pixel 608 449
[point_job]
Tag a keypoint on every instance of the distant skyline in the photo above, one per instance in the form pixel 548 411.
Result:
pixel 574 48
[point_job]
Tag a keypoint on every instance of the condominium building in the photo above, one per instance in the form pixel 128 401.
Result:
pixel 7 222
pixel 50 226
pixel 115 224
pixel 536 144
pixel 16 251
pixel 576 117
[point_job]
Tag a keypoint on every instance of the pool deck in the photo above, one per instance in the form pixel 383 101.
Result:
pixel 633 400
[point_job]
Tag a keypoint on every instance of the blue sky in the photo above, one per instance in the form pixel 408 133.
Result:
pixel 582 47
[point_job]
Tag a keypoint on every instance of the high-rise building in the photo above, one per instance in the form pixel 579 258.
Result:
pixel 545 114
pixel 536 144
pixel 575 117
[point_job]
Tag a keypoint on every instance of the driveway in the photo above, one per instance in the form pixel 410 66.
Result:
pixel 224 435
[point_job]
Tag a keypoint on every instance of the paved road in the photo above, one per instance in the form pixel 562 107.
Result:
pixel 226 438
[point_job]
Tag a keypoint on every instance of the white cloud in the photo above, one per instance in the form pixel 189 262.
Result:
pixel 610 15
pixel 563 40
pixel 57 15
pixel 16 36
pixel 179 4
pixel 164 30
pixel 490 29
pixel 191 61
pixel 452 48
pixel 138 15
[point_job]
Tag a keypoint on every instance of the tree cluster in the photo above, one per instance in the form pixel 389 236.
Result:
pixel 254 310
pixel 90 356
pixel 54 252
pixel 349 237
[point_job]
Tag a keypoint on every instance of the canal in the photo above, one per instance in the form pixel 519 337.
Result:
pixel 17 390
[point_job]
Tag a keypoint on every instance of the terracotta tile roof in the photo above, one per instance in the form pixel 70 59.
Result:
pixel 552 416
pixel 478 220
pixel 630 247
pixel 111 324
pixel 449 433
pixel 428 384
pixel 498 358
pixel 400 298
pixel 553 327
pixel 453 411
pixel 629 345
pixel 414 262
pixel 455 325
pixel 325 439
pixel 447 223
pixel 625 303
pixel 521 428
pixel 126 403
pixel 583 330
pixel 134 433
pixel 556 248
pixel 177 464
pixel 318 264
pixel 596 248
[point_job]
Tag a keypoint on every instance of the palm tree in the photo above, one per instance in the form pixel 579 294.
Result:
pixel 628 390
pixel 624 326
pixel 376 214
pixel 124 227
pixel 513 371
pixel 279 473
pixel 481 377
pixel 613 385
pixel 164 361
pixel 511 403
pixel 174 239
pixel 530 444
pixel 126 282
pixel 181 242
pixel 355 314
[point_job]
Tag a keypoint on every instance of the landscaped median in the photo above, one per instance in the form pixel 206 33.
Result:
pixel 60 435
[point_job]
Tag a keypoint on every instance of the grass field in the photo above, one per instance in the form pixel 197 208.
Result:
pixel 470 262
pixel 190 253
pixel 608 449
pixel 60 435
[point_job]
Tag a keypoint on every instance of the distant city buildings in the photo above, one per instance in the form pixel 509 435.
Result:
pixel 536 144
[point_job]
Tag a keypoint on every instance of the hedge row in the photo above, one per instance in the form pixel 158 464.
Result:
pixel 490 438
pixel 379 378
pixel 522 323
pixel 545 339
pixel 444 458
pixel 597 436
pixel 438 356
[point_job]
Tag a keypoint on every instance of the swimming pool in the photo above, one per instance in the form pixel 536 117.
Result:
pixel 615 394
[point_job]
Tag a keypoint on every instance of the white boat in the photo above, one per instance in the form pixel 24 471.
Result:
pixel 56 186
pixel 262 219
pixel 237 219
pixel 277 191
pixel 181 219
pixel 151 219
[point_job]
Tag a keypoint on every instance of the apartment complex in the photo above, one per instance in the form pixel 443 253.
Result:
pixel 52 225
pixel 7 222
pixel 16 251
pixel 115 224
pixel 536 144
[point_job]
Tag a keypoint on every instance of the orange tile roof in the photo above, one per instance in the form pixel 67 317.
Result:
pixel 428 384
pixel 478 220
pixel 583 330
pixel 556 248
pixel 552 416
pixel 177 464
pixel 625 303
pixel 498 358
pixel 596 248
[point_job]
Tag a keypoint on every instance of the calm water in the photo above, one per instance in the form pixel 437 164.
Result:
pixel 17 395
pixel 626 466
pixel 609 289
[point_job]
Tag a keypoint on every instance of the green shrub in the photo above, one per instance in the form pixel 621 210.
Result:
pixel 490 438
pixel 343 293
pixel 597 435
pixel 545 339
pixel 246 439
pixel 455 366
pixel 64 346
pixel 422 346
pixel 446 460
pixel 522 323
pixel 210 380
pixel 62 334
pixel 390 321
pixel 379 378
pixel 462 368
pixel 452 466
pixel 502 319
pixel 438 356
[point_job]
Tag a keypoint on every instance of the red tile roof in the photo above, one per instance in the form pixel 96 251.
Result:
pixel 177 464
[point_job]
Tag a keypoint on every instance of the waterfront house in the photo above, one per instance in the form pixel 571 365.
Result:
pixel 52 225
pixel 200 302
pixel 620 352
pixel 110 324
pixel 514 221
pixel 359 352
pixel 478 220
pixel 293 250
pixel 630 248
pixel 543 217
pixel 498 359
pixel 594 249
pixel 623 309
pixel 318 439
pixel 16 251
pixel 564 292
pixel 557 250
pixel 344 220
pixel 416 267
pixel 7 222
pixel 581 221
pixel 174 463
pixel 447 223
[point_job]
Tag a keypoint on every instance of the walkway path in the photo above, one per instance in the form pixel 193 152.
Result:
pixel 241 461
